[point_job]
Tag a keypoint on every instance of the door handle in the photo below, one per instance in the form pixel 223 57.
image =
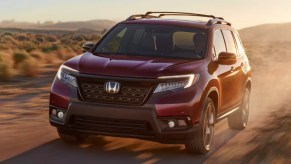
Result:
pixel 232 69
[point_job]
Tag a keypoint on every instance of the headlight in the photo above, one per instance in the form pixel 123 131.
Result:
pixel 65 77
pixel 185 81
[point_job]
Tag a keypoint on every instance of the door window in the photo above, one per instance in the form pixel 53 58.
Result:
pixel 241 50
pixel 218 44
pixel 229 41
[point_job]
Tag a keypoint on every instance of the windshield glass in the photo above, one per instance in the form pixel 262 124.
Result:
pixel 155 40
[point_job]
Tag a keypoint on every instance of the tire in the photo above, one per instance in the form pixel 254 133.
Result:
pixel 239 119
pixel 202 141
pixel 70 137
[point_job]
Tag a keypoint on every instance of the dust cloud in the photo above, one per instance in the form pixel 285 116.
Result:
pixel 271 64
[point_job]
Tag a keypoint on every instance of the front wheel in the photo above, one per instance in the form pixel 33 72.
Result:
pixel 202 141
pixel 239 119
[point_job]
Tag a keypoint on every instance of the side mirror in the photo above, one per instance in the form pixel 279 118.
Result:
pixel 226 58
pixel 87 46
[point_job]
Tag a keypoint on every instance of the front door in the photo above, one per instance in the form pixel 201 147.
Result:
pixel 232 85
pixel 229 76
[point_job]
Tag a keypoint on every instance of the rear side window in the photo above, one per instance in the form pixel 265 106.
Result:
pixel 229 41
pixel 218 44
pixel 241 50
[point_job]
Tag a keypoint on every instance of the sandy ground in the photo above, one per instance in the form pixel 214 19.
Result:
pixel 27 137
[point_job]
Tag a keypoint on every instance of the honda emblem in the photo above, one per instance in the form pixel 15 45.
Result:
pixel 112 87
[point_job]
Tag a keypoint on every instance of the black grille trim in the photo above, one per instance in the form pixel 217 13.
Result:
pixel 132 92
pixel 111 125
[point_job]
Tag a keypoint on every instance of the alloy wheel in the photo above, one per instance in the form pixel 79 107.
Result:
pixel 245 109
pixel 208 126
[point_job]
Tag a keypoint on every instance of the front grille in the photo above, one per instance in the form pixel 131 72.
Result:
pixel 111 125
pixel 130 93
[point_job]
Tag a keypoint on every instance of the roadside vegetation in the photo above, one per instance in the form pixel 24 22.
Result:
pixel 274 139
pixel 28 53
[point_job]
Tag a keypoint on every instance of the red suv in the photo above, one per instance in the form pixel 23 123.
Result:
pixel 165 80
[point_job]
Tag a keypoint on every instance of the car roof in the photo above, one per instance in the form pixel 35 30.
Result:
pixel 170 22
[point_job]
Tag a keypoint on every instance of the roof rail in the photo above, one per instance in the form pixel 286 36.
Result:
pixel 218 21
pixel 213 20
pixel 179 14
pixel 140 16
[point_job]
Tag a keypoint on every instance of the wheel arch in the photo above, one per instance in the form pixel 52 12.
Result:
pixel 248 83
pixel 211 89
pixel 213 93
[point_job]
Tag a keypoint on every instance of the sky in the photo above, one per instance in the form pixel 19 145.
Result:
pixel 242 13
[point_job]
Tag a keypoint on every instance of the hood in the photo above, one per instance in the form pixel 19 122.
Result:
pixel 132 66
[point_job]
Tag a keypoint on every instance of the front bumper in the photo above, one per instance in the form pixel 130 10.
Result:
pixel 110 112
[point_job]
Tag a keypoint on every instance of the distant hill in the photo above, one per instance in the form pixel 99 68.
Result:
pixel 267 33
pixel 96 25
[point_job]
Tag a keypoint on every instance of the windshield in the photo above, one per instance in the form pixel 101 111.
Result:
pixel 155 40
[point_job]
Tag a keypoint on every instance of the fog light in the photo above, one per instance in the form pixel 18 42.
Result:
pixel 60 115
pixel 188 118
pixel 182 123
pixel 171 124
pixel 54 112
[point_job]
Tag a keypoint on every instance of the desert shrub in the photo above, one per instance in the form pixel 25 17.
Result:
pixel 7 34
pixel 95 38
pixel 30 67
pixel 50 58
pixel 48 49
pixel 6 56
pixel 51 38
pixel 71 55
pixel 37 55
pixel 66 40
pixel 29 46
pixel 78 38
pixel 8 38
pixel 75 43
pixel 75 50
pixel 39 39
pixel 55 47
pixel 61 53
pixel 6 71
pixel 65 53
pixel 20 56
pixel 22 38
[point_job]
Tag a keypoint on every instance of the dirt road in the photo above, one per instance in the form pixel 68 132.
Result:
pixel 27 137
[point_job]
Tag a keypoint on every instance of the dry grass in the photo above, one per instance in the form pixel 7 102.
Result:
pixel 20 56
pixel 30 67
pixel 6 71
pixel 21 51
pixel 38 55
pixel 6 66
pixel 274 139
